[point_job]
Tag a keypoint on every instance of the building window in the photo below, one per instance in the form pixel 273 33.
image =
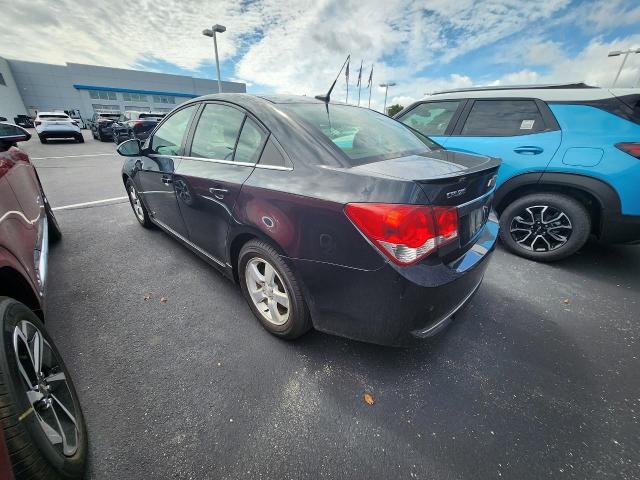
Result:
pixel 164 99
pixel 2 82
pixel 134 97
pixel 131 108
pixel 106 108
pixel 102 95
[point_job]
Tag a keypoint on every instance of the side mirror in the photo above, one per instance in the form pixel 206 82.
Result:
pixel 10 133
pixel 130 148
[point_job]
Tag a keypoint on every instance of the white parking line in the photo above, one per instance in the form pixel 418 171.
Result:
pixel 73 156
pixel 96 202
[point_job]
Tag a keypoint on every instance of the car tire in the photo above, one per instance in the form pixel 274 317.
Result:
pixel 80 138
pixel 100 136
pixel 288 323
pixel 137 204
pixel 34 455
pixel 42 139
pixel 55 234
pixel 559 225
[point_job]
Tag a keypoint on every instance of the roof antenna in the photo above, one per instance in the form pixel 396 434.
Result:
pixel 327 98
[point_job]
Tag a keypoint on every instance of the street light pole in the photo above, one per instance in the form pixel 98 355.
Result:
pixel 626 53
pixel 212 33
pixel 386 90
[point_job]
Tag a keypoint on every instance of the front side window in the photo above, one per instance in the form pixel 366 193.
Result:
pixel 167 140
pixel 494 118
pixel 431 118
pixel 361 134
pixel 217 131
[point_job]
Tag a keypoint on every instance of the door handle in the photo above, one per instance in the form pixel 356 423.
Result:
pixel 528 150
pixel 219 193
pixel 166 180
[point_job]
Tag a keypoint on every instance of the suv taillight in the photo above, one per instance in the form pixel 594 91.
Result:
pixel 404 233
pixel 632 148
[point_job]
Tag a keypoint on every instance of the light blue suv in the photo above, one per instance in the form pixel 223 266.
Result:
pixel 570 159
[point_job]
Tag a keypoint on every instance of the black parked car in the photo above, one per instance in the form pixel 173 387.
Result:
pixel 100 125
pixel 24 121
pixel 135 125
pixel 328 215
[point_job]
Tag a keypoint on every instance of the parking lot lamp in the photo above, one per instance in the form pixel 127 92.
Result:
pixel 212 33
pixel 617 53
pixel 386 90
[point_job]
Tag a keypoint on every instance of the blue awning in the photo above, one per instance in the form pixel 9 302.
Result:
pixel 133 90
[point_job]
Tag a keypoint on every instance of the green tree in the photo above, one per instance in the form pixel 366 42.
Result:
pixel 393 109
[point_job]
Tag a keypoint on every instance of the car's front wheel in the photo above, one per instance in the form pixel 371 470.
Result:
pixel 272 291
pixel 545 226
pixel 39 409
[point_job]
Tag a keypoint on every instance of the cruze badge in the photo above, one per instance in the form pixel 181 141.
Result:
pixel 456 193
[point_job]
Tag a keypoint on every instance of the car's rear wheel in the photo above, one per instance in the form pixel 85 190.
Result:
pixel 80 138
pixel 545 226
pixel 42 139
pixel 272 291
pixel 39 409
pixel 140 211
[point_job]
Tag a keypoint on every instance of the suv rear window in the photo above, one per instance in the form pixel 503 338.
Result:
pixel 431 118
pixel 493 118
pixel 64 117
pixel 362 134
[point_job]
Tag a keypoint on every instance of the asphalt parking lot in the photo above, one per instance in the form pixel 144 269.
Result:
pixel 537 378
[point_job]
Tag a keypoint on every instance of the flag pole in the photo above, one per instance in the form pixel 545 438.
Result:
pixel 370 84
pixel 359 82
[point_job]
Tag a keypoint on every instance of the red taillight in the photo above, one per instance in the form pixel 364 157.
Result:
pixel 632 148
pixel 404 233
pixel 38 123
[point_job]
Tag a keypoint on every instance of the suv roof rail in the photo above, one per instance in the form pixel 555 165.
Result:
pixel 517 87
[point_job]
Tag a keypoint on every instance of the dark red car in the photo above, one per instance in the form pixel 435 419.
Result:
pixel 42 430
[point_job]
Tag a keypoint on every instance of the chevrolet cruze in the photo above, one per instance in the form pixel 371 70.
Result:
pixel 327 215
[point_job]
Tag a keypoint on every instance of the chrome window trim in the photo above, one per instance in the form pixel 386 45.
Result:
pixel 242 164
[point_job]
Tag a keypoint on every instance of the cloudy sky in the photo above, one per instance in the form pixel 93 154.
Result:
pixel 296 46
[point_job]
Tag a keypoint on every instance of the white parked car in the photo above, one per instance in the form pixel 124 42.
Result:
pixel 57 125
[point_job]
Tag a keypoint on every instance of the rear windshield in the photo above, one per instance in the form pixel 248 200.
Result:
pixel 151 115
pixel 363 135
pixel 55 116
pixel 109 115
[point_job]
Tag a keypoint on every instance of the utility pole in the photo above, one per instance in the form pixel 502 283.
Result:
pixel 386 90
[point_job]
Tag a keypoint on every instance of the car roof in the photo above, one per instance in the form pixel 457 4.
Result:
pixel 554 92
pixel 250 98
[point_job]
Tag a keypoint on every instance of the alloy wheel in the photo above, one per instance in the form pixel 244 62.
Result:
pixel 267 291
pixel 541 228
pixel 136 203
pixel 46 387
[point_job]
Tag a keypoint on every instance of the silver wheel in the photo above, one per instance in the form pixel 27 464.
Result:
pixel 136 203
pixel 267 291
pixel 541 228
pixel 46 387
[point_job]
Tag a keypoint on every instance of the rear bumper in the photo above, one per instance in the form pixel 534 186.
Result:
pixel 60 134
pixel 391 305
pixel 618 228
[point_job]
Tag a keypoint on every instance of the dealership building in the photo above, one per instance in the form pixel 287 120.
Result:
pixel 28 87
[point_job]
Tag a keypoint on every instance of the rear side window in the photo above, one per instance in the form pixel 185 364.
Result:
pixel 272 156
pixel 495 118
pixel 217 131
pixel 168 138
pixel 431 118
pixel 249 143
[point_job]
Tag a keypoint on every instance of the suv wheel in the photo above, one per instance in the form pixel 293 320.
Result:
pixel 42 139
pixel 43 424
pixel 545 226
pixel 272 291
